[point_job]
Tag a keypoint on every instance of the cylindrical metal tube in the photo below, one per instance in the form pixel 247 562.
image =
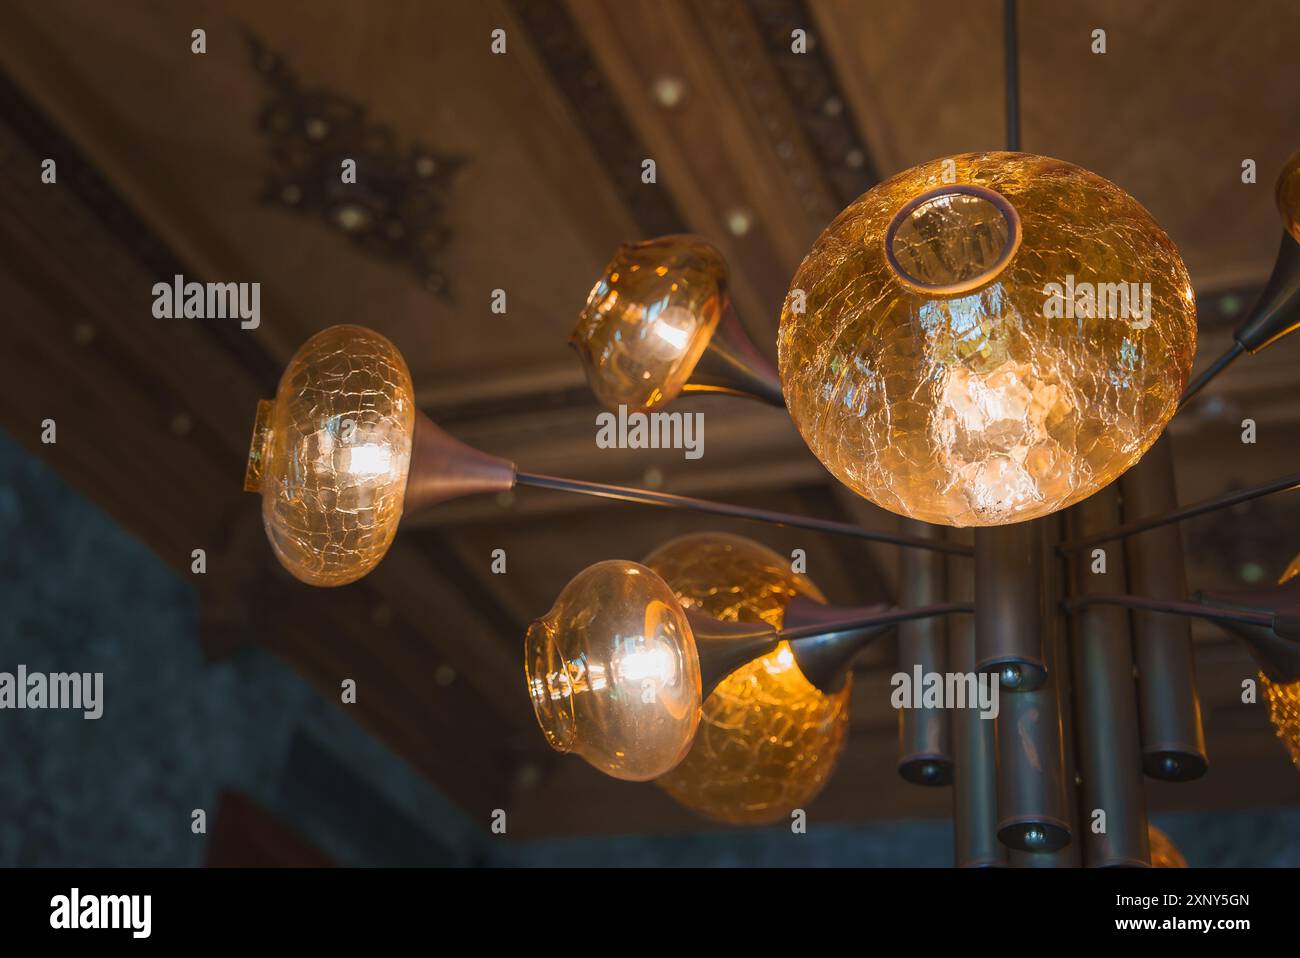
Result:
pixel 974 745
pixel 1056 655
pixel 1008 589
pixel 1033 800
pixel 1111 796
pixel 1173 738
pixel 924 746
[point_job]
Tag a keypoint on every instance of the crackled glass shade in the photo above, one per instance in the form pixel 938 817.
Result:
pixel 330 455
pixel 1288 195
pixel 768 738
pixel 986 339
pixel 649 318
pixel 613 672
pixel 1164 853
pixel 1283 698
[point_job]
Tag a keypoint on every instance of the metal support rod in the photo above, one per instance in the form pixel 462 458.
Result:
pixel 1170 606
pixel 974 744
pixel 1276 646
pixel 888 617
pixel 924 747
pixel 1008 588
pixel 823 647
pixel 648 498
pixel 1011 74
pixel 1225 501
pixel 1216 367
pixel 1173 736
pixel 1275 314
pixel 1105 703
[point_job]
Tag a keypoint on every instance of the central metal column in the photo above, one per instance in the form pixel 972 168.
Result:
pixel 1010 622
pixel 1057 653
pixel 1008 589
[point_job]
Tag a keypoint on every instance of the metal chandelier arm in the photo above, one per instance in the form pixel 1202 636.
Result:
pixel 1173 607
pixel 823 645
pixel 1213 504
pixel 732 364
pixel 825 650
pixel 1219 365
pixel 886 617
pixel 444 468
pixel 649 498
pixel 1271 630
pixel 1274 315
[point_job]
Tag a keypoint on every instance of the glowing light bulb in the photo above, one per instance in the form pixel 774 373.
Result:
pixel 1288 195
pixel 1164 853
pixel 330 455
pixel 648 320
pixel 768 739
pixel 613 672
pixel 674 328
pixel 986 339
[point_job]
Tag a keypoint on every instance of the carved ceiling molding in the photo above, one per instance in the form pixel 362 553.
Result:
pixel 817 96
pixel 563 50
pixel 396 208
pixel 805 113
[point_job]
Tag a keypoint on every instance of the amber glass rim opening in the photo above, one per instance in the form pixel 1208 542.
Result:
pixel 1009 249
pixel 542 659
pixel 258 446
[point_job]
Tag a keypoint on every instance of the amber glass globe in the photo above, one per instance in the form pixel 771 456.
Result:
pixel 1288 195
pixel 649 318
pixel 965 344
pixel 1283 698
pixel 613 672
pixel 768 738
pixel 1164 853
pixel 330 455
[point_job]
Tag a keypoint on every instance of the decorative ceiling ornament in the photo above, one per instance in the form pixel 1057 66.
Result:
pixel 816 97
pixel 986 339
pixel 598 112
pixel 396 208
pixel 768 738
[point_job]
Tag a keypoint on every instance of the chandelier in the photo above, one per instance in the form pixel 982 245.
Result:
pixel 989 345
